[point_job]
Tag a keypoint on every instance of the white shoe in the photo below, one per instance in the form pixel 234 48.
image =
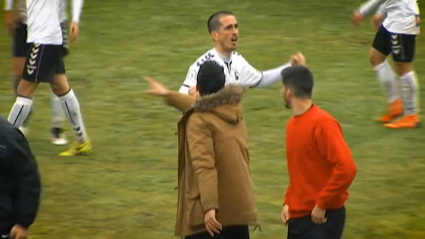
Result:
pixel 58 137
pixel 24 130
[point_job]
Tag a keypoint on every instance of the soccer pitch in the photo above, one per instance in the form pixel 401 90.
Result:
pixel 125 189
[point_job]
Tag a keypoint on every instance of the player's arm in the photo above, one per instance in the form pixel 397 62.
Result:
pixel 27 200
pixel 8 5
pixel 190 80
pixel 368 7
pixel 379 16
pixel 9 16
pixel 254 78
pixel 77 8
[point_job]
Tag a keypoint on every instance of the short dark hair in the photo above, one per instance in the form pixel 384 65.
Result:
pixel 210 78
pixel 214 20
pixel 300 80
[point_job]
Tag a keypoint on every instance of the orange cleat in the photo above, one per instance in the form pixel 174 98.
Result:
pixel 405 122
pixel 395 109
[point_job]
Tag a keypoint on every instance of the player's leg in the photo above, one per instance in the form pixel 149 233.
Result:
pixel 58 116
pixel 71 107
pixel 20 49
pixel 35 69
pixel 381 48
pixel 403 53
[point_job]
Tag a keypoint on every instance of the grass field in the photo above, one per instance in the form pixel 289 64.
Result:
pixel 126 188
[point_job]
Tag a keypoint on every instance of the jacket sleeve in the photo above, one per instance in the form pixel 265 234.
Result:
pixel 201 148
pixel 332 146
pixel 27 200
pixel 180 101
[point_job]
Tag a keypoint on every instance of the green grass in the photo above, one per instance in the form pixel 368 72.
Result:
pixel 126 188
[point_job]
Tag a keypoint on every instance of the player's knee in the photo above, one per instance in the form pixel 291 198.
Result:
pixel 60 85
pixel 403 68
pixel 26 88
pixel 376 57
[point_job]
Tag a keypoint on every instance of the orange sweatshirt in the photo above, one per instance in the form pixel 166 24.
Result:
pixel 320 164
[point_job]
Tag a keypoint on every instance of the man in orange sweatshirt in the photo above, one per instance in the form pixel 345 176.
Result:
pixel 320 164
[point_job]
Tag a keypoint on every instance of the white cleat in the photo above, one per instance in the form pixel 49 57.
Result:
pixel 58 137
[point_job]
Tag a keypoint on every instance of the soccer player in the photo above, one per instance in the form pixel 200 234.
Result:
pixel 224 31
pixel 16 24
pixel 320 164
pixel 44 63
pixel 396 36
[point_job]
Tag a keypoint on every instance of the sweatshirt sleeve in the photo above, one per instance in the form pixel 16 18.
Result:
pixel 201 148
pixel 287 195
pixel 333 147
pixel 27 199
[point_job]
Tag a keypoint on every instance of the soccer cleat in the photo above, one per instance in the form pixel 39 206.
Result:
pixel 405 122
pixel 78 149
pixel 58 137
pixel 395 109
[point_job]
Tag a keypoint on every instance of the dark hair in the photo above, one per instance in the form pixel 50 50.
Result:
pixel 211 78
pixel 214 20
pixel 300 80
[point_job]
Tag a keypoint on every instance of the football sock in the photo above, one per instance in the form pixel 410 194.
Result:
pixel 71 107
pixel 410 93
pixel 15 83
pixel 388 80
pixel 58 115
pixel 20 111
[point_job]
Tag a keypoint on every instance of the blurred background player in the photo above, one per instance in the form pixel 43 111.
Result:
pixel 224 31
pixel 44 63
pixel 16 24
pixel 396 36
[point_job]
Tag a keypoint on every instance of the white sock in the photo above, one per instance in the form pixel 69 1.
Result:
pixel 58 116
pixel 388 80
pixel 20 111
pixel 71 107
pixel 410 93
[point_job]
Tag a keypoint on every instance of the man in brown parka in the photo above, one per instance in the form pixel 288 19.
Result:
pixel 215 191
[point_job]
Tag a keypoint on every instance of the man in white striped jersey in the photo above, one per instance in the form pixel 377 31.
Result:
pixel 396 36
pixel 16 24
pixel 45 64
pixel 224 31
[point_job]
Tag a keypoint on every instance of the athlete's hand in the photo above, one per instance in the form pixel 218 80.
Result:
pixel 156 88
pixel 357 18
pixel 377 20
pixel 9 20
pixel 298 59
pixel 284 216
pixel 18 232
pixel 73 32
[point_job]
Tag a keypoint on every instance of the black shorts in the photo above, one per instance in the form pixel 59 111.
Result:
pixel 400 46
pixel 43 62
pixel 20 47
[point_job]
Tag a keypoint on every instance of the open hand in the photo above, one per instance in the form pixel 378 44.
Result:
pixel 298 59
pixel 211 223
pixel 73 32
pixel 357 18
pixel 318 215
pixel 156 88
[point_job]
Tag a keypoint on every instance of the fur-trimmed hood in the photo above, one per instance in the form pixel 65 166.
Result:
pixel 226 103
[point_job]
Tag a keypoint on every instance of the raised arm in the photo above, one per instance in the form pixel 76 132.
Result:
pixel 180 101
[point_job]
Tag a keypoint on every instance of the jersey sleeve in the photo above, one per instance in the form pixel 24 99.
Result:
pixel 369 6
pixel 190 80
pixel 8 5
pixel 249 75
